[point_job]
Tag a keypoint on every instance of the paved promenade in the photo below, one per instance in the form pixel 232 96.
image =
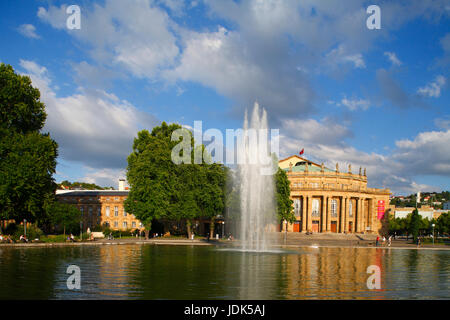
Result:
pixel 293 240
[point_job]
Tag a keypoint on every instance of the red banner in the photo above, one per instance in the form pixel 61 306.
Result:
pixel 380 209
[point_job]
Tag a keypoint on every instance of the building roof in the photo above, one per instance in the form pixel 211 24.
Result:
pixel 299 165
pixel 92 193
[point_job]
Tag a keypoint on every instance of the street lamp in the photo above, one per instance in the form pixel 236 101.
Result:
pixel 285 231
pixel 433 232
pixel 25 227
pixel 223 229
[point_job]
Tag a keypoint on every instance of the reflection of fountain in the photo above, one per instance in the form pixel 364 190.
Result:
pixel 257 191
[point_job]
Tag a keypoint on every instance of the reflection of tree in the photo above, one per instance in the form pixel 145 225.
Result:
pixel 28 273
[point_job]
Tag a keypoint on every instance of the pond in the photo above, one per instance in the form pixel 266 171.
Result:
pixel 203 272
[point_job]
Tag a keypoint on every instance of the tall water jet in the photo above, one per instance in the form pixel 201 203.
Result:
pixel 257 185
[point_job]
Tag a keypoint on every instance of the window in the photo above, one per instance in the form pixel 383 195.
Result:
pixel 82 210
pixel 116 211
pixel 116 224
pixel 125 224
pixel 315 208
pixel 90 211
pixel 297 207
pixel 314 185
pixel 107 198
pixel 99 212
pixel 334 208
pixel 124 213
pixel 141 225
pixel 350 208
pixel 133 224
pixel 107 211
pixel 116 198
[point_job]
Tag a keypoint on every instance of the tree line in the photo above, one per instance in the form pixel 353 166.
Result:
pixel 415 225
pixel 159 188
pixel 163 190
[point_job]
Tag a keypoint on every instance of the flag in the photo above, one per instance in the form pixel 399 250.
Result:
pixel 301 152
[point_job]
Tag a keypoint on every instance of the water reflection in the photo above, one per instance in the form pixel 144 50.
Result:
pixel 188 272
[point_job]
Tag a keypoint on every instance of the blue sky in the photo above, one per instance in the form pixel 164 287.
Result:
pixel 372 98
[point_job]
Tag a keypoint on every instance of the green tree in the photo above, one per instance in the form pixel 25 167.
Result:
pixel 285 210
pixel 414 224
pixel 443 223
pixel 64 216
pixel 28 157
pixel 152 176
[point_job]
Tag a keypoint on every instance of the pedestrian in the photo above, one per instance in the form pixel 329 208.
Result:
pixel 384 240
pixel 376 243
pixel 389 241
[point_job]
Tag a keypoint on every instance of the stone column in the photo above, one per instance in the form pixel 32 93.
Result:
pixel 329 214
pixel 363 214
pixel 346 216
pixel 304 214
pixel 323 215
pixel 308 214
pixel 341 215
pixel 358 215
pixel 370 214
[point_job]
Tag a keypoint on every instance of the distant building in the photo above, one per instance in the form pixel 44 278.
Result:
pixel 425 212
pixel 102 207
pixel 446 205
pixel 328 200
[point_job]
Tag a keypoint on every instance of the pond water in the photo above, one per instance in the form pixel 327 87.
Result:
pixel 199 272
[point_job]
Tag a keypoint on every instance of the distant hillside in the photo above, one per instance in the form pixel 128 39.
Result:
pixel 433 199
pixel 81 185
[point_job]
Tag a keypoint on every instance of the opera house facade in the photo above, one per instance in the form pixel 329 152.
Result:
pixel 328 200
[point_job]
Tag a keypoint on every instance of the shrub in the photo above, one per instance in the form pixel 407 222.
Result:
pixel 33 232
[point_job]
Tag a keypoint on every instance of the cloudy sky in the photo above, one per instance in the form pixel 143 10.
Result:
pixel 373 98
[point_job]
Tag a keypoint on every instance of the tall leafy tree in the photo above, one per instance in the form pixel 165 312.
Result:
pixel 152 175
pixel 414 224
pixel 64 216
pixel 27 156
pixel 285 210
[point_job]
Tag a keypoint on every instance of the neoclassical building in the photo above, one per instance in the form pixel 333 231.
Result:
pixel 328 200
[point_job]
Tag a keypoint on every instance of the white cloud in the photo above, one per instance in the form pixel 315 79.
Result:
pixel 433 89
pixel 104 177
pixel 324 141
pixel 340 55
pixel 355 104
pixel 94 128
pixel 393 58
pixel 134 37
pixel 28 30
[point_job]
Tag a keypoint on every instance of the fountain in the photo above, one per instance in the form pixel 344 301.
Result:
pixel 257 185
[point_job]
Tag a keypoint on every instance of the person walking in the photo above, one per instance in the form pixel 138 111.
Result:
pixel 389 241
pixel 376 243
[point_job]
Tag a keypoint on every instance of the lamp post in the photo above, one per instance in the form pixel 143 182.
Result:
pixel 433 232
pixel 285 231
pixel 223 229
pixel 25 227
pixel 81 231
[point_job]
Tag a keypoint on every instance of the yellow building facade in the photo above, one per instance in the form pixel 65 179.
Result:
pixel 328 200
pixel 101 207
